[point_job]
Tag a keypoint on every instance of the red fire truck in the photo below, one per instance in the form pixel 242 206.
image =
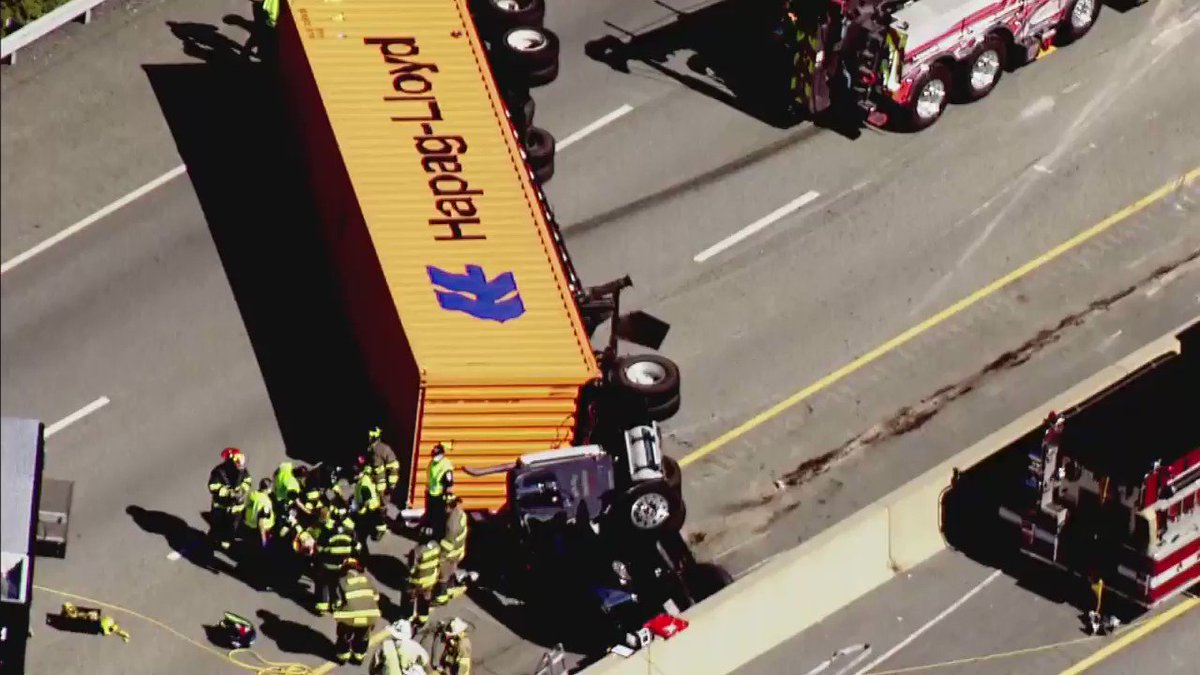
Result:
pixel 1112 486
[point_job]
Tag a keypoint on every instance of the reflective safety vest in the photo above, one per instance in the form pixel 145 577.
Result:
pixel 258 506
pixel 365 493
pixel 454 543
pixel 437 476
pixel 361 608
pixel 271 9
pixel 423 567
pixel 334 547
pixel 286 484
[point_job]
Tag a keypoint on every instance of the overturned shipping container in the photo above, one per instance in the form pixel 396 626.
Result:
pixel 461 298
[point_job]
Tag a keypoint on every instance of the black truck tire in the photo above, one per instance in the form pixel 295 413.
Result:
pixel 652 508
pixel 980 72
pixel 528 54
pixel 664 411
pixel 1078 20
pixel 935 87
pixel 497 16
pixel 539 149
pixel 651 378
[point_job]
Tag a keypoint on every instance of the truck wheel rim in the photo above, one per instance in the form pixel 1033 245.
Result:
pixel 1081 14
pixel 526 40
pixel 510 6
pixel 929 101
pixel 983 72
pixel 645 373
pixel 649 511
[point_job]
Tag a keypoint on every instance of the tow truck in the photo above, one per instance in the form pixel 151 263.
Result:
pixel 903 61
pixel 1111 489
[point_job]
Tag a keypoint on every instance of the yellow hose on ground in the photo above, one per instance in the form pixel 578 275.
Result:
pixel 263 666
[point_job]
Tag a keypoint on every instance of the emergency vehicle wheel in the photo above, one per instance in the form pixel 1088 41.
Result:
pixel 1079 20
pixel 504 14
pixel 929 97
pixel 531 54
pixel 649 381
pixel 653 508
pixel 539 148
pixel 665 411
pixel 980 73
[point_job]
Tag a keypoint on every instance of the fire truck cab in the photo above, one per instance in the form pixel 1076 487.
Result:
pixel 905 60
pixel 1112 486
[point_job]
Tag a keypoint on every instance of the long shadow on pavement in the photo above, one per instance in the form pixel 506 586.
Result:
pixel 731 58
pixel 294 638
pixel 232 134
pixel 193 546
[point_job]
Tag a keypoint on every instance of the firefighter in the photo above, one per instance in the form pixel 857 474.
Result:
pixel 422 576
pixel 368 509
pixel 453 549
pixel 335 545
pixel 258 521
pixel 357 616
pixel 381 463
pixel 438 482
pixel 400 654
pixel 285 495
pixel 456 648
pixel 228 484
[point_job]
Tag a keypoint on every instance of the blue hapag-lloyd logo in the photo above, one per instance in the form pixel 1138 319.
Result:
pixel 472 293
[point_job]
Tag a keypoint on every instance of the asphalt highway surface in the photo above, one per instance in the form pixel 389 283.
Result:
pixel 831 298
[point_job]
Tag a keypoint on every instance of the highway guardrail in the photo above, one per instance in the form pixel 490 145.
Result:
pixel 798 588
pixel 75 10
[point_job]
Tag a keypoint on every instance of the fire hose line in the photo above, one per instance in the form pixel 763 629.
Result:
pixel 262 667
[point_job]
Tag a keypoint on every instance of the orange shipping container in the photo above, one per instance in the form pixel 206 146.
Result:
pixel 460 296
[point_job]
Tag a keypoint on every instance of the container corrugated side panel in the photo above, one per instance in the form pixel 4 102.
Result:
pixel 364 292
pixel 544 343
pixel 491 425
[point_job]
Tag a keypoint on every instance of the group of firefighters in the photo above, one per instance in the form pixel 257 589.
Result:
pixel 323 518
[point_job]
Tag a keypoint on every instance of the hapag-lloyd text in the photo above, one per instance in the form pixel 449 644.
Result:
pixel 457 214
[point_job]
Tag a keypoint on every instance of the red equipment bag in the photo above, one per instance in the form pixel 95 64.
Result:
pixel 665 625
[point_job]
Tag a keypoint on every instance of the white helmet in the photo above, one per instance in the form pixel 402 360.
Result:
pixel 401 630
pixel 456 627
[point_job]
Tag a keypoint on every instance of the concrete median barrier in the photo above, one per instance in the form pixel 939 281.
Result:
pixel 799 588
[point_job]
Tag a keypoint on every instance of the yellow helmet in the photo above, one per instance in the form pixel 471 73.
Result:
pixel 374 434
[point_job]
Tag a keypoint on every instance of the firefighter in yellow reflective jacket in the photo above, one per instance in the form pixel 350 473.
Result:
pixel 439 481
pixel 228 485
pixel 357 616
pixel 266 17
pixel 381 463
pixel 453 549
pixel 456 649
pixel 368 509
pixel 422 576
pixel 285 493
pixel 258 521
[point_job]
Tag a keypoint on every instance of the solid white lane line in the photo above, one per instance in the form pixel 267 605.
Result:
pixel 83 224
pixel 930 624
pixel 757 225
pixel 595 126
pixel 76 416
